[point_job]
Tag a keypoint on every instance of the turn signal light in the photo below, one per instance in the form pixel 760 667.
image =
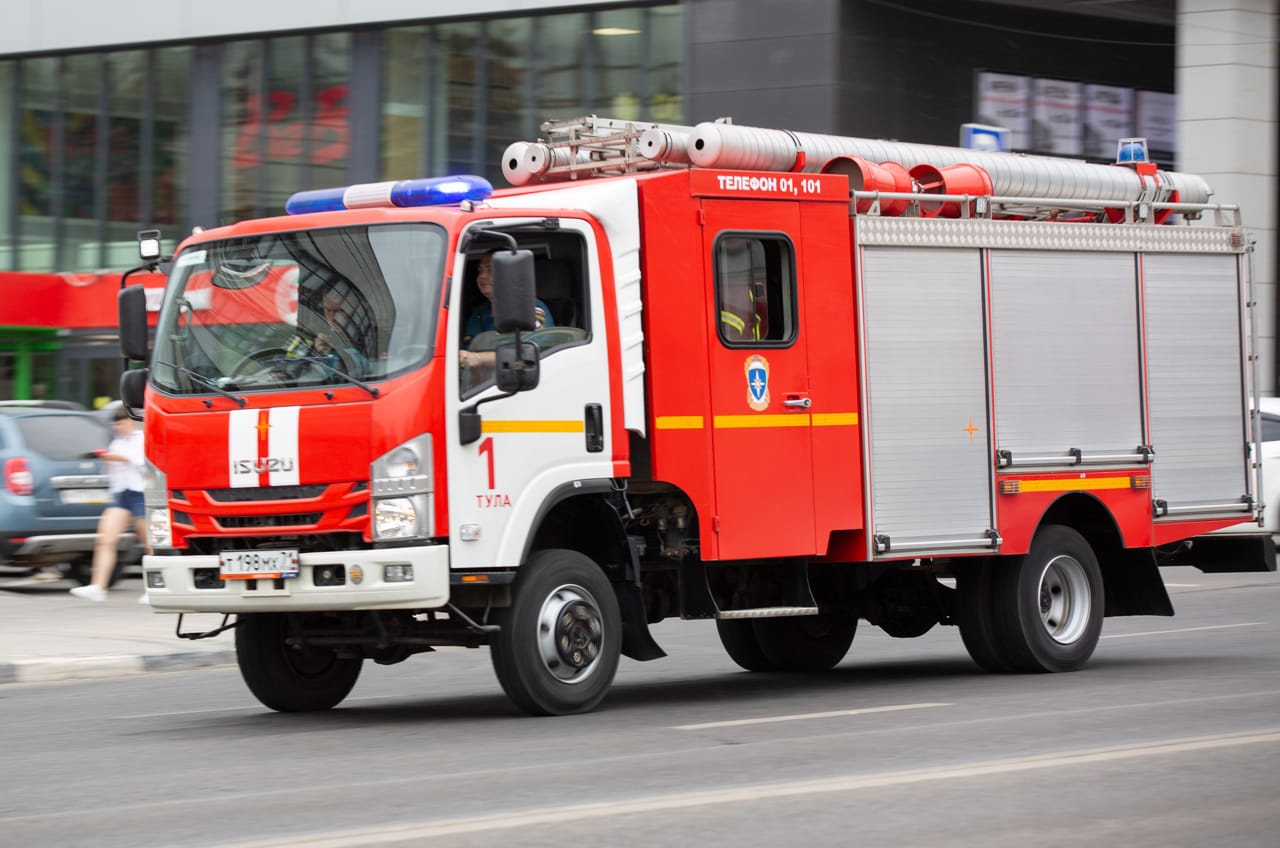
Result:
pixel 1141 482
pixel 1010 487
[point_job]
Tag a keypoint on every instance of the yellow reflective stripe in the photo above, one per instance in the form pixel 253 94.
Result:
pixel 678 422
pixel 732 320
pixel 1074 485
pixel 742 422
pixel 488 426
pixel 739 422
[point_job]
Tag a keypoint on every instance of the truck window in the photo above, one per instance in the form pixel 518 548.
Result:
pixel 560 288
pixel 755 290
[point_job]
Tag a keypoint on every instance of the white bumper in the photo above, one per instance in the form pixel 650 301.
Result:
pixel 428 589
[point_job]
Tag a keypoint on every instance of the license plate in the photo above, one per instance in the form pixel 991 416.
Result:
pixel 257 565
pixel 84 496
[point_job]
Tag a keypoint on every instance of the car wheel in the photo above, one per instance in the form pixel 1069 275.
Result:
pixel 286 678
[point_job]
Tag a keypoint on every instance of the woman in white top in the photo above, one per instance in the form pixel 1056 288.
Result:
pixel 124 459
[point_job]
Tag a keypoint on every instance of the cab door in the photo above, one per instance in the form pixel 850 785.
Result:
pixel 758 378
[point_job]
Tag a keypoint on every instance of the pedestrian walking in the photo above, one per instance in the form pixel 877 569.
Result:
pixel 124 459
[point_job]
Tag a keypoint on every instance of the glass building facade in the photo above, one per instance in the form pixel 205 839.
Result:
pixel 95 146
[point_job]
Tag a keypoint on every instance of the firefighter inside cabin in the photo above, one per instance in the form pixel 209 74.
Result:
pixel 479 338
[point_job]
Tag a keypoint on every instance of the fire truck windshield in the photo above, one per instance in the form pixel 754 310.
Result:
pixel 298 309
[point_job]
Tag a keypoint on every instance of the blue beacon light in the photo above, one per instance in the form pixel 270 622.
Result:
pixel 431 191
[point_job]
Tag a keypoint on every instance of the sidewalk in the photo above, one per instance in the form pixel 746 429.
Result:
pixel 47 634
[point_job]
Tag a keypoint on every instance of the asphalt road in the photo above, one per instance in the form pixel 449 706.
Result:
pixel 1170 737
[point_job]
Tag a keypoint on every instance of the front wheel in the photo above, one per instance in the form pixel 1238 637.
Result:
pixel 1049 604
pixel 560 640
pixel 286 678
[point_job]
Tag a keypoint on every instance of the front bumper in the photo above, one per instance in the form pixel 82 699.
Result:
pixel 429 588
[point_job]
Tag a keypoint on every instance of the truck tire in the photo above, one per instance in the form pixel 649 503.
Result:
pixel 805 643
pixel 1049 604
pixel 288 679
pixel 560 640
pixel 975 615
pixel 738 635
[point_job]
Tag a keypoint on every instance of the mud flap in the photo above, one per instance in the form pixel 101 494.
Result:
pixel 637 643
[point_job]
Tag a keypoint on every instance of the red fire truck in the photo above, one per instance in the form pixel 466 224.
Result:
pixel 783 381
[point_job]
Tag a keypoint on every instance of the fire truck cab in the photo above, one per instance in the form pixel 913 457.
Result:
pixel 784 395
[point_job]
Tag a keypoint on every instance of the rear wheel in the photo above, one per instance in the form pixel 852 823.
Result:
pixel 805 643
pixel 286 678
pixel 738 635
pixel 1049 603
pixel 560 640
pixel 975 615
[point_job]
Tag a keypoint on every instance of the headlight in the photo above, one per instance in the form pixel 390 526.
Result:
pixel 395 518
pixel 159 532
pixel 155 496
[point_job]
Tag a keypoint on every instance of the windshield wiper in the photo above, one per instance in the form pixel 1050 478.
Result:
pixel 204 381
pixel 320 360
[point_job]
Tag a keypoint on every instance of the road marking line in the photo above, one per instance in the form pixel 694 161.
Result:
pixel 767 791
pixel 804 716
pixel 1183 630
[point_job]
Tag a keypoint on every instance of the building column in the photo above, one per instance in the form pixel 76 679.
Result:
pixel 1227 87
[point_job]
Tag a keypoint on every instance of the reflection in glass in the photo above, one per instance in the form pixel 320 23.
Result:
pixel 300 309
pixel 404 70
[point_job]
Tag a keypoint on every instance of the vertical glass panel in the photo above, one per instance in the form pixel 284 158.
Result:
pixel 7 136
pixel 330 136
pixel 666 65
pixel 242 128
pixel 82 93
pixel 619 39
pixel 510 116
pixel 403 111
pixel 454 98
pixel 37 128
pixel 286 122
pixel 170 145
pixel 126 71
pixel 561 39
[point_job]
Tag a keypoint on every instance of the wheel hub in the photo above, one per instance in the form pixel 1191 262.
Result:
pixel 570 633
pixel 1065 599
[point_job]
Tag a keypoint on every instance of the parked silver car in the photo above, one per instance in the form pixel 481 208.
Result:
pixel 53 490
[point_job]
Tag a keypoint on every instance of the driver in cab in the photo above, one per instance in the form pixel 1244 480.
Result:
pixel 480 320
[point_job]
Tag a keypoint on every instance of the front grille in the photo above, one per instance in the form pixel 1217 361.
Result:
pixel 242 522
pixel 266 493
pixel 212 545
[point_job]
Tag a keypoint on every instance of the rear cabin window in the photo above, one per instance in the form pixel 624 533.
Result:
pixel 755 290
pixel 63 437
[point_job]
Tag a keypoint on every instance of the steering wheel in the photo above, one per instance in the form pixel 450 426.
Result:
pixel 259 358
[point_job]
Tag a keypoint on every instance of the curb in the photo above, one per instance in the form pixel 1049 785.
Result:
pixel 97 668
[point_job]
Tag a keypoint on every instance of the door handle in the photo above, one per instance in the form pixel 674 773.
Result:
pixel 798 403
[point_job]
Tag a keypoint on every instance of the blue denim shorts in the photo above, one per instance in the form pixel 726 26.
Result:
pixel 130 500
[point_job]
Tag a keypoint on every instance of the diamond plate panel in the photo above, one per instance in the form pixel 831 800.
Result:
pixel 1042 235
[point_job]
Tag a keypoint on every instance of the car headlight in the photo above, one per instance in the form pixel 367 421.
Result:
pixel 395 518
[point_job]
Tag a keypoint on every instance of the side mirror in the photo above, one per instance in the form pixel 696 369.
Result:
pixel 133 388
pixel 132 306
pixel 517 366
pixel 513 291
